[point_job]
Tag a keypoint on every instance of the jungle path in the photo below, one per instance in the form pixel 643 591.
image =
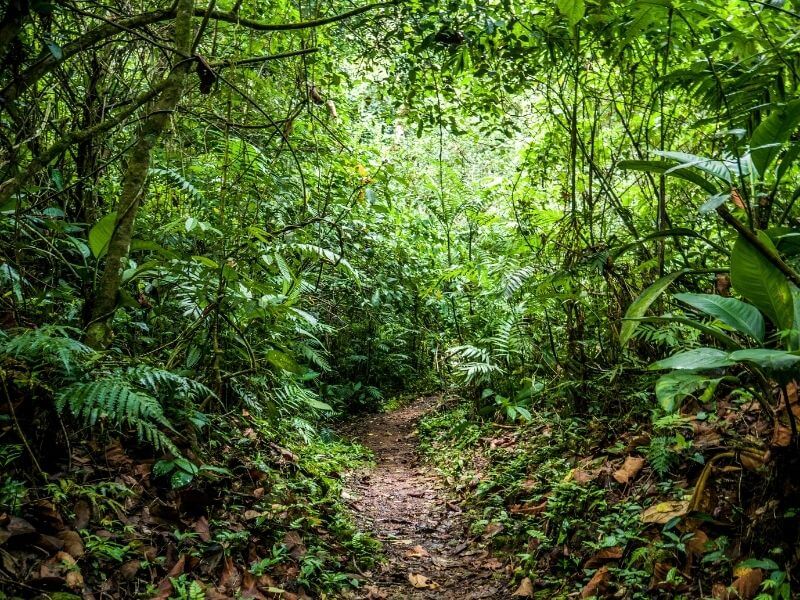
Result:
pixel 410 509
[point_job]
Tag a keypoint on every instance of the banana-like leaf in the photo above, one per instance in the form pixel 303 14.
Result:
pixel 100 234
pixel 743 317
pixel 639 306
pixel 715 332
pixel 673 388
pixel 760 282
pixel 774 360
pixel 663 167
pixel 696 359
pixel 772 133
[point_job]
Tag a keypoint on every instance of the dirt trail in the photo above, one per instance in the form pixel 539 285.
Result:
pixel 401 500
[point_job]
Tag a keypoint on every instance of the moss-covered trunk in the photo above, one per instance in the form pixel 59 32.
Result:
pixel 104 301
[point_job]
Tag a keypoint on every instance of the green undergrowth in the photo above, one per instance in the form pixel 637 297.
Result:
pixel 257 508
pixel 544 494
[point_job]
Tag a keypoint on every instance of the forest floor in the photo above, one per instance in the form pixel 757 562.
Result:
pixel 429 551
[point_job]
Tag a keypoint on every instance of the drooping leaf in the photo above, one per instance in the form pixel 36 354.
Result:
pixel 717 168
pixel 776 360
pixel 672 388
pixel 100 235
pixel 663 167
pixel 772 133
pixel 743 317
pixel 760 282
pixel 573 10
pixel 283 361
pixel 696 359
pixel 639 306
pixel 715 332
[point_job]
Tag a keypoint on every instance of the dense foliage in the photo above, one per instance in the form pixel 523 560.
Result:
pixel 225 225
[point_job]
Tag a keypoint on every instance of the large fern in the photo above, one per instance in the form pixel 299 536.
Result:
pixel 115 399
pixel 48 345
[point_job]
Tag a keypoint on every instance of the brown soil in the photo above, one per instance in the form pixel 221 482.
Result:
pixel 429 551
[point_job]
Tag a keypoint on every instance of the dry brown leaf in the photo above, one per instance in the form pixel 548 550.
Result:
pixel 754 461
pixel 528 509
pixel 583 476
pixel 603 556
pixel 492 529
pixel 230 579
pixel 73 544
pixel 129 569
pixel 525 589
pixel 747 582
pixel 416 552
pixel 697 543
pixel 781 436
pixel 374 593
pixel 249 515
pixel 420 581
pixel 164 589
pixel 720 592
pixel 258 493
pixel 294 544
pixel 665 511
pixel 492 564
pixel 597 583
pixel 202 529
pixel 629 470
pixel 83 512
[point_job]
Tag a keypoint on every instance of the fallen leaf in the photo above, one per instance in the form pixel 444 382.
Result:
pixel 420 581
pixel 294 545
pixel 374 593
pixel 528 509
pixel 583 476
pixel 492 564
pixel 697 543
pixel 597 583
pixel 754 461
pixel 525 588
pixel 129 569
pixel 83 512
pixel 73 544
pixel 781 436
pixel 747 582
pixel 492 529
pixel 258 493
pixel 665 511
pixel 629 470
pixel 603 556
pixel 202 529
pixel 416 552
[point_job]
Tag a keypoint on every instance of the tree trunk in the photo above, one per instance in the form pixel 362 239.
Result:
pixel 104 303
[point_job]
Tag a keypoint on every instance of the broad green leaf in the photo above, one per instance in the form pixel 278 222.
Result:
pixel 319 405
pixel 573 10
pixel 663 167
pixel 283 361
pixel 163 467
pixel 673 388
pixel 760 282
pixel 100 235
pixel 699 358
pixel 743 317
pixel 717 168
pixel 777 360
pixel 639 306
pixel 715 332
pixel 772 133
pixel 181 479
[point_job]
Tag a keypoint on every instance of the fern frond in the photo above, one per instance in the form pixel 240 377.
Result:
pixel 50 344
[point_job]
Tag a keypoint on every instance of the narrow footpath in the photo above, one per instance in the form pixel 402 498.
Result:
pixel 402 501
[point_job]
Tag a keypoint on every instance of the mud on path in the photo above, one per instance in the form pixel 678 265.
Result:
pixel 401 500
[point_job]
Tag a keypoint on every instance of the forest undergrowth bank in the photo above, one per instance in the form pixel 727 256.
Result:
pixel 228 227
